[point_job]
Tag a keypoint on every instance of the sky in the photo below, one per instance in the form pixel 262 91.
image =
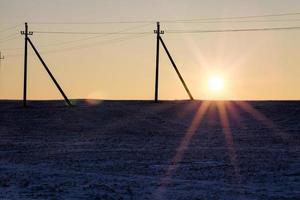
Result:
pixel 253 65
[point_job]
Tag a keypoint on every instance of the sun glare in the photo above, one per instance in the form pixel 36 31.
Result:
pixel 216 83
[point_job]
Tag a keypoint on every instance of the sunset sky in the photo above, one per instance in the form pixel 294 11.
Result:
pixel 251 65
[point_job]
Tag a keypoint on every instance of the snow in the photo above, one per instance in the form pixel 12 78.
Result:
pixel 131 150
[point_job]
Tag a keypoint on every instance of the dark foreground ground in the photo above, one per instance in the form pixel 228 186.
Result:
pixel 142 150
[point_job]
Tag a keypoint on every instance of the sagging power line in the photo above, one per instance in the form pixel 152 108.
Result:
pixel 236 21
pixel 173 20
pixel 104 42
pixel 235 30
pixel 10 28
pixel 9 38
pixel 173 31
pixel 234 17
pixel 144 23
pixel 86 39
pixel 92 33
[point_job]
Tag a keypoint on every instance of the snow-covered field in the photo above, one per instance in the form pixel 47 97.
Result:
pixel 142 150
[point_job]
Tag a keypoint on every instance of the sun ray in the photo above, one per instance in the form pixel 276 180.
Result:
pixel 234 113
pixel 180 151
pixel 262 118
pixel 223 116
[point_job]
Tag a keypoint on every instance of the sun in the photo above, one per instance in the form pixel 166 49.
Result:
pixel 216 83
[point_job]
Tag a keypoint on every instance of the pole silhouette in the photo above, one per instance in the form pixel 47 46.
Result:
pixel 26 33
pixel 176 69
pixel 49 73
pixel 27 40
pixel 160 40
pixel 158 32
pixel 1 58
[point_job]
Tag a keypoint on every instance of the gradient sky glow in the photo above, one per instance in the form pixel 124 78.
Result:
pixel 255 65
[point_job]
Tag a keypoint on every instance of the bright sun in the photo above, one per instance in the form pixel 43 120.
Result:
pixel 216 83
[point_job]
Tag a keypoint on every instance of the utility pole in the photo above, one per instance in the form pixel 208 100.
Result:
pixel 27 40
pixel 1 58
pixel 26 33
pixel 160 40
pixel 157 32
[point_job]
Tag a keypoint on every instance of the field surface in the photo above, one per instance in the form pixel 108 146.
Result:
pixel 142 150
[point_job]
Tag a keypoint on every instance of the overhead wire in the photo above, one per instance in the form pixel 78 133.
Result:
pixel 234 30
pixel 9 28
pixel 238 21
pixel 180 31
pixel 113 40
pixel 93 23
pixel 9 38
pixel 234 19
pixel 173 20
pixel 85 39
pixel 98 36
pixel 91 33
pixel 110 41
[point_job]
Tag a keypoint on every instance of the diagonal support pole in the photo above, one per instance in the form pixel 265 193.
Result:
pixel 49 72
pixel 176 69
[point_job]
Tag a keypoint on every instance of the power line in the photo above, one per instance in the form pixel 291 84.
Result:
pixel 90 33
pixel 9 38
pixel 240 21
pixel 11 49
pixel 98 36
pixel 174 32
pixel 235 17
pixel 234 30
pixel 92 23
pixel 13 55
pixel 173 21
pixel 134 34
pixel 10 28
pixel 85 39
pixel 111 41
pixel 3 41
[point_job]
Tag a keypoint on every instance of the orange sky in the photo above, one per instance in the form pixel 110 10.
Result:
pixel 254 65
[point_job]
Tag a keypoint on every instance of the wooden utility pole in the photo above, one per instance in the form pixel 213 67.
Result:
pixel 27 39
pixel 158 32
pixel 1 58
pixel 159 39
pixel 26 33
